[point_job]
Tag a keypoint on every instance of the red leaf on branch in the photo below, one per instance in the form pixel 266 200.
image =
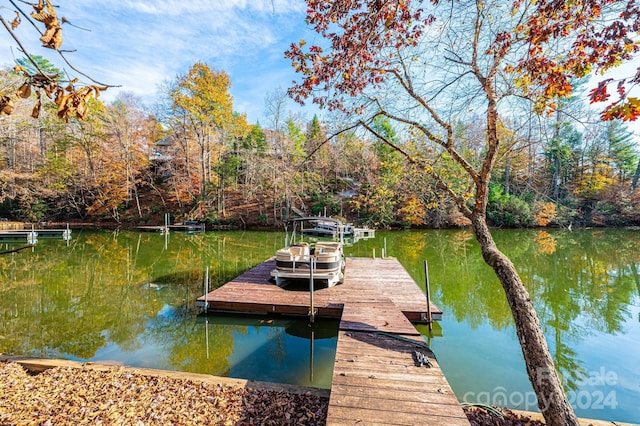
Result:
pixel 599 94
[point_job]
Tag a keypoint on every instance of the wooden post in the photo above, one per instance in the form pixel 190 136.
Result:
pixel 206 289
pixel 313 332
pixel 426 280
pixel 312 310
pixel 206 308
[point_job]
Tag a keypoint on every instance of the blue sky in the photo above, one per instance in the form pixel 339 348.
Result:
pixel 140 44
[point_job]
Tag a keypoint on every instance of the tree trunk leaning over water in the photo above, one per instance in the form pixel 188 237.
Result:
pixel 383 64
pixel 540 366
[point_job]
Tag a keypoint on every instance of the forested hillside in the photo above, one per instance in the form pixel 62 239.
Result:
pixel 193 155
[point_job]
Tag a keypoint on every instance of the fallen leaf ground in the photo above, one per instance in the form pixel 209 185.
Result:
pixel 482 417
pixel 75 396
pixel 78 396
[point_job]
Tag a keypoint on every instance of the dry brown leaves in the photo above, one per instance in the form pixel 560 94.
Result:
pixel 70 101
pixel 6 105
pixel 52 37
pixel 480 417
pixel 15 23
pixel 81 396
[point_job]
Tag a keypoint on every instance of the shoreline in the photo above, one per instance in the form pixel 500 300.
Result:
pixel 70 398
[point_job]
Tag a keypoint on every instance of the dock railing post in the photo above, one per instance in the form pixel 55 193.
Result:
pixel 312 310
pixel 206 289
pixel 313 333
pixel 206 308
pixel 384 251
pixel 66 234
pixel 426 281
pixel 32 237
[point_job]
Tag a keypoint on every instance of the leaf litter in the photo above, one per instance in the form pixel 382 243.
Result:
pixel 78 396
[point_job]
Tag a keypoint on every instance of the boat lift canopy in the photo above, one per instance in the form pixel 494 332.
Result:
pixel 340 224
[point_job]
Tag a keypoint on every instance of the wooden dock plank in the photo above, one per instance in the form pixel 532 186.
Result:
pixel 360 416
pixel 386 385
pixel 355 385
pixel 379 315
pixel 376 380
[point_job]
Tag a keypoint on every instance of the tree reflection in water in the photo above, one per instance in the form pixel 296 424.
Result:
pixel 130 297
pixel 585 287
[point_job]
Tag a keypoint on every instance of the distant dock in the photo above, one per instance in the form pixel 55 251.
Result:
pixel 198 227
pixel 33 234
pixel 384 373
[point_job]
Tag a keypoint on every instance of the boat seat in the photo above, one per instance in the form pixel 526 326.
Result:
pixel 330 248
pixel 328 256
pixel 297 252
pixel 284 254
pixel 327 245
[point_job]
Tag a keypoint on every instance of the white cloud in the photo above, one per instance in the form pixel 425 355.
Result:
pixel 140 44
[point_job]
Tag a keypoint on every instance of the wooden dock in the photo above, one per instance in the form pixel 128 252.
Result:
pixel 26 234
pixel 382 281
pixel 6 225
pixel 378 378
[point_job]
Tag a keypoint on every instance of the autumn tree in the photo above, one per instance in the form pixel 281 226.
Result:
pixel 202 114
pixel 229 161
pixel 319 154
pixel 129 133
pixel 425 65
pixel 621 149
pixel 380 198
pixel 568 41
pixel 296 139
pixel 636 177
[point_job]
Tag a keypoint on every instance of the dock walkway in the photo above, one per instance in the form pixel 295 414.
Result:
pixel 377 376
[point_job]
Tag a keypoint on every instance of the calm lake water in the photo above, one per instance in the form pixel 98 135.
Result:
pixel 129 297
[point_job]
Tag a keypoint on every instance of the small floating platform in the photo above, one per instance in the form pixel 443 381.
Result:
pixel 199 227
pixel 24 234
pixel 364 233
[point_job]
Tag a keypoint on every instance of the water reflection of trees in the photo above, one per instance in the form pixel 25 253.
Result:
pixel 103 288
pixel 581 282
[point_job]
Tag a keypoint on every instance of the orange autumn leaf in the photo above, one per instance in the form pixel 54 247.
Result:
pixel 16 21
pixel 75 102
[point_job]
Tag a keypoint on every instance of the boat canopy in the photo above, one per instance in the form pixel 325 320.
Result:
pixel 316 218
